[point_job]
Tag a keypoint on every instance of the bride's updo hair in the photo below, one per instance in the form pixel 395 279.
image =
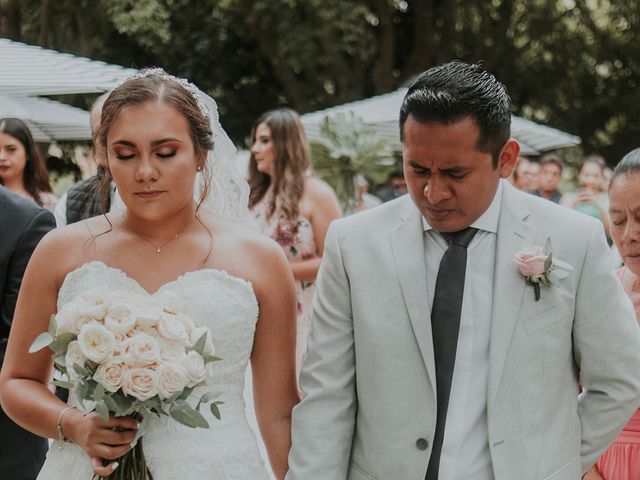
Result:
pixel 156 87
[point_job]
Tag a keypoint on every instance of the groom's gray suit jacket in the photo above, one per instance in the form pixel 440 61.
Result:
pixel 369 406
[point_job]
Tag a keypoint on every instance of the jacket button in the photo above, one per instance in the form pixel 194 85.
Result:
pixel 422 444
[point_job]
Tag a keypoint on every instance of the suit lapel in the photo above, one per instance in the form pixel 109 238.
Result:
pixel 508 286
pixel 407 246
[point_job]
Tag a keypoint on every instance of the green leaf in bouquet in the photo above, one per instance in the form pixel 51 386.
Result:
pixel 111 404
pixel 153 402
pixel 215 410
pixel 186 393
pixel 59 362
pixel 210 358
pixel 123 402
pixel 43 340
pixel 102 410
pixel 82 390
pixel 80 370
pixel 207 397
pixel 199 345
pixel 99 392
pixel 61 342
pixel 183 413
pixel 53 326
pixel 63 384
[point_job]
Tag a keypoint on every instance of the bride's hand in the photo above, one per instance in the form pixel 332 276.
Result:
pixel 101 439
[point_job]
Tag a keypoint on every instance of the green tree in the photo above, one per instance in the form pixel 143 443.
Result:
pixel 574 64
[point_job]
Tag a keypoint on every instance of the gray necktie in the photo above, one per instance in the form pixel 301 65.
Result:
pixel 445 324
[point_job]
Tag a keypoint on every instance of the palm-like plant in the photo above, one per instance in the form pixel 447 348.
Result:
pixel 347 147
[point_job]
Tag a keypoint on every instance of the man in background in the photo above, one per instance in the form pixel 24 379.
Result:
pixel 551 167
pixel 84 199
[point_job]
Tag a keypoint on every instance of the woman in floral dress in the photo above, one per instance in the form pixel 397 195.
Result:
pixel 292 206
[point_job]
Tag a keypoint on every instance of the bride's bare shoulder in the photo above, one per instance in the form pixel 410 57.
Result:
pixel 253 253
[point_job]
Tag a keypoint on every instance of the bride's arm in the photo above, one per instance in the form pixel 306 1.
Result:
pixel 25 376
pixel 273 357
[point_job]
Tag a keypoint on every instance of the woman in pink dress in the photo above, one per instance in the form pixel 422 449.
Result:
pixel 292 206
pixel 622 460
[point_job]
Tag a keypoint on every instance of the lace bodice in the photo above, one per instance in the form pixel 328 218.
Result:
pixel 227 450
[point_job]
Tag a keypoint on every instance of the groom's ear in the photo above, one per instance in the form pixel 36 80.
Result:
pixel 508 158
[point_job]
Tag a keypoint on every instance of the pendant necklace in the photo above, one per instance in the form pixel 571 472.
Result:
pixel 158 248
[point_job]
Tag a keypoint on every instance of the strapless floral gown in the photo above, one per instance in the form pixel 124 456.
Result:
pixel 228 449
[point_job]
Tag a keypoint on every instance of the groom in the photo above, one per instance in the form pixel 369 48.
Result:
pixel 431 356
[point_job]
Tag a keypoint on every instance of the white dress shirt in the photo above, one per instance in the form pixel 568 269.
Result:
pixel 465 448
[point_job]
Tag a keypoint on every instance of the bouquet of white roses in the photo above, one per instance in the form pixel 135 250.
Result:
pixel 124 354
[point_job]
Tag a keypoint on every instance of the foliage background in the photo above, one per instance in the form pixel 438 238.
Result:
pixel 572 64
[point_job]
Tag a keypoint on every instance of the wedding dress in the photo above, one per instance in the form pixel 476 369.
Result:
pixel 227 450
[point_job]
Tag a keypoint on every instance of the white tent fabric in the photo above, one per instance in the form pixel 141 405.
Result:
pixel 381 112
pixel 31 70
pixel 47 120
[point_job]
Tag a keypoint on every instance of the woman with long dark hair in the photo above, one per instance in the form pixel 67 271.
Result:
pixel 22 169
pixel 292 205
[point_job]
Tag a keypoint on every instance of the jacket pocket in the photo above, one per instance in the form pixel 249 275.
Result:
pixel 547 318
pixel 569 471
pixel 356 473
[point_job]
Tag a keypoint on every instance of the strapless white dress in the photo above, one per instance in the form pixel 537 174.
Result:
pixel 228 449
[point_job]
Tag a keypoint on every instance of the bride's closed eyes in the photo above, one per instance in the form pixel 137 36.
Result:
pixel 128 151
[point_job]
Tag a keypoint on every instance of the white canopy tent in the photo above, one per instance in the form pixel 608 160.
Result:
pixel 381 112
pixel 31 70
pixel 47 120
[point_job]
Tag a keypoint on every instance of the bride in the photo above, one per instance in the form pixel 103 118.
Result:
pixel 162 139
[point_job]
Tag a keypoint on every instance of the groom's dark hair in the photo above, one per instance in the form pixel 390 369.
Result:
pixel 450 92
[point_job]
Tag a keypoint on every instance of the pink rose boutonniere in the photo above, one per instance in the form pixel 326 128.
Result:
pixel 540 268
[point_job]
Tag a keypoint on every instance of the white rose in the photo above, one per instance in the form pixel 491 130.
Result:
pixel 170 301
pixel 196 370
pixel 140 350
pixel 170 378
pixel 74 355
pixel 171 352
pixel 140 383
pixel 123 296
pixel 148 313
pixel 96 342
pixel 151 331
pixel 70 318
pixel 94 304
pixel 208 344
pixel 187 323
pixel 120 319
pixel 110 374
pixel 171 328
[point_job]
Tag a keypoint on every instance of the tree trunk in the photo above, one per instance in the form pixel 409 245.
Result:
pixel 45 20
pixel 422 54
pixel 500 30
pixel 445 50
pixel 269 49
pixel 10 19
pixel 383 71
